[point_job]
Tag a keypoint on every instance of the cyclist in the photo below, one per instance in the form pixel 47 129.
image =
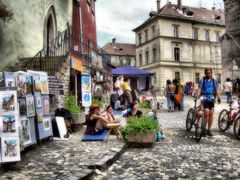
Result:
pixel 208 90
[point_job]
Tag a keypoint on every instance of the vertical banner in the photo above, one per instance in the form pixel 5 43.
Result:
pixel 86 91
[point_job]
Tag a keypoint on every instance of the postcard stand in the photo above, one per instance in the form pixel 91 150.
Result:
pixel 9 126
pixel 42 105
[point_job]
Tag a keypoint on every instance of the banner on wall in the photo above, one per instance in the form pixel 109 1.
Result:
pixel 86 91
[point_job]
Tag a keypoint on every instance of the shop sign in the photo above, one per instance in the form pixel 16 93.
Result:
pixel 76 63
pixel 55 85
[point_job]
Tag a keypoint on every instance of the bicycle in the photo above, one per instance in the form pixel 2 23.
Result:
pixel 227 118
pixel 195 117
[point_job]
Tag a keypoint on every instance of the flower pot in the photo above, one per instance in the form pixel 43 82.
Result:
pixel 79 118
pixel 142 140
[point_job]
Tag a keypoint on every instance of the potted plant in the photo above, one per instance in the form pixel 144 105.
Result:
pixel 144 106
pixel 77 113
pixel 98 102
pixel 141 131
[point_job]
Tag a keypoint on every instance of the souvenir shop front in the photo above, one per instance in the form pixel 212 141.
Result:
pixel 25 115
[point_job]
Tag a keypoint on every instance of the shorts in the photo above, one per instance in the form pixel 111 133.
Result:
pixel 208 104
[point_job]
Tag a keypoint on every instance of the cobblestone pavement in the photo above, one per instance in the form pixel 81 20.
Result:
pixel 179 156
pixel 70 159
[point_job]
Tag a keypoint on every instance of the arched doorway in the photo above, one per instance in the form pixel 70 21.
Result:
pixel 50 29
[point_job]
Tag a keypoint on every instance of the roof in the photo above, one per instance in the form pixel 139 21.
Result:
pixel 120 49
pixel 200 15
pixel 130 71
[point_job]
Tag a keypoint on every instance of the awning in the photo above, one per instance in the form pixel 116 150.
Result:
pixel 130 71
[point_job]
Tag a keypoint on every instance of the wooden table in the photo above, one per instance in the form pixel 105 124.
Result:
pixel 115 127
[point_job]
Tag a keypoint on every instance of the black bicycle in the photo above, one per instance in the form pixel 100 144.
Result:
pixel 195 118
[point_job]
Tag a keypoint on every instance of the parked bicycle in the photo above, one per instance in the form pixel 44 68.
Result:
pixel 227 118
pixel 195 117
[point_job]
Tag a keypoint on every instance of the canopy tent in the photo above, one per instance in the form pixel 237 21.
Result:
pixel 130 71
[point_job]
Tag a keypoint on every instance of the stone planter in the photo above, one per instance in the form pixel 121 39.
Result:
pixel 79 118
pixel 142 140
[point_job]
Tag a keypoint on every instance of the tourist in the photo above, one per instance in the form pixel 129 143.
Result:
pixel 117 85
pixel 228 89
pixel 208 90
pixel 170 89
pixel 126 90
pixel 108 114
pixel 133 111
pixel 95 122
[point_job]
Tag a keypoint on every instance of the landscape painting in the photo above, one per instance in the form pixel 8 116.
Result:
pixel 10 149
pixel 8 102
pixel 9 123
pixel 30 106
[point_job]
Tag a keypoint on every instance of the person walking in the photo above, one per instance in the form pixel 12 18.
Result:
pixel 228 89
pixel 170 89
pixel 208 90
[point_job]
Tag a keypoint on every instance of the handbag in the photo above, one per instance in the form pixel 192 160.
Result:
pixel 178 98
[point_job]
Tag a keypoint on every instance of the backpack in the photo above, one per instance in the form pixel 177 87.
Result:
pixel 214 87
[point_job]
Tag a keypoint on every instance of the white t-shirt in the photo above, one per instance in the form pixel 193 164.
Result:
pixel 228 87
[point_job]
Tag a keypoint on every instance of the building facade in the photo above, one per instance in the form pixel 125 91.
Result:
pixel 231 40
pixel 120 54
pixel 179 42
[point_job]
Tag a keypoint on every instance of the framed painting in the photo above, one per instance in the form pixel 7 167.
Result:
pixel 29 84
pixel 38 85
pixel 44 82
pixel 25 125
pixel 10 149
pixel 30 106
pixel 46 105
pixel 9 125
pixel 46 124
pixel 38 100
pixel 8 102
pixel 21 83
pixel 22 106
pixel 9 79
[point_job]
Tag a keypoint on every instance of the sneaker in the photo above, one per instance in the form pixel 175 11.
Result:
pixel 209 133
pixel 204 133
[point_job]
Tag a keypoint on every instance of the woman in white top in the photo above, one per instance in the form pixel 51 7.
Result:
pixel 228 89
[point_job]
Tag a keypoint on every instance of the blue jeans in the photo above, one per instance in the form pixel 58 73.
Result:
pixel 182 103
pixel 170 101
pixel 229 97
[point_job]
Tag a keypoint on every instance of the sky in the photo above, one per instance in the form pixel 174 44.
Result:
pixel 117 18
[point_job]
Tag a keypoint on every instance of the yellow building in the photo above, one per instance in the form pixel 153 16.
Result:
pixel 180 42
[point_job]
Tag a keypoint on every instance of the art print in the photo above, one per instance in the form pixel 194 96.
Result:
pixel 22 106
pixel 25 124
pixel 44 82
pixel 9 79
pixel 21 85
pixel 98 90
pixel 9 125
pixel 46 106
pixel 39 113
pixel 46 124
pixel 10 83
pixel 30 106
pixel 38 85
pixel 10 149
pixel 8 101
pixel 38 101
pixel 86 83
pixel 29 84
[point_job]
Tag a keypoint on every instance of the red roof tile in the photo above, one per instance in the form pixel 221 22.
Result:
pixel 120 48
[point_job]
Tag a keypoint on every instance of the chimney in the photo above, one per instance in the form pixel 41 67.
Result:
pixel 179 4
pixel 158 5
pixel 114 43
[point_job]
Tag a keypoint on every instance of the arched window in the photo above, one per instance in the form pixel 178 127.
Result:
pixel 176 31
pixel 195 34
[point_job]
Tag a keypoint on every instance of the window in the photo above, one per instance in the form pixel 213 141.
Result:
pixel 195 34
pixel 218 35
pixel 154 52
pixel 140 59
pixel 177 54
pixel 175 31
pixel 154 79
pixel 146 35
pixel 153 31
pixel 207 35
pixel 197 78
pixel 140 39
pixel 177 75
pixel 147 57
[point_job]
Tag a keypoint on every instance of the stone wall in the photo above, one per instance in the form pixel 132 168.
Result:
pixel 230 49
pixel 23 35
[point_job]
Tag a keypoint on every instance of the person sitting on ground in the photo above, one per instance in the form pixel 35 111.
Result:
pixel 133 112
pixel 108 114
pixel 95 122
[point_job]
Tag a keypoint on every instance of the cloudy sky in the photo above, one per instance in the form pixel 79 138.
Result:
pixel 117 18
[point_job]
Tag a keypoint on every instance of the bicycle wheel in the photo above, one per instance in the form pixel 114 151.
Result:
pixel 199 128
pixel 236 128
pixel 223 117
pixel 190 119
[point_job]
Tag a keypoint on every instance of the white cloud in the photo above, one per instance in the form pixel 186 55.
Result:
pixel 117 18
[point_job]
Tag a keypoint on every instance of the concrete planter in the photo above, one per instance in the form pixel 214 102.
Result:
pixel 142 140
pixel 79 118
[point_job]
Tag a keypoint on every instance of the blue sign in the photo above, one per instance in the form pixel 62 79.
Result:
pixel 86 97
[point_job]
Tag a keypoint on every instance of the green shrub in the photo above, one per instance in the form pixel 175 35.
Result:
pixel 141 125
pixel 98 102
pixel 70 103
pixel 145 105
